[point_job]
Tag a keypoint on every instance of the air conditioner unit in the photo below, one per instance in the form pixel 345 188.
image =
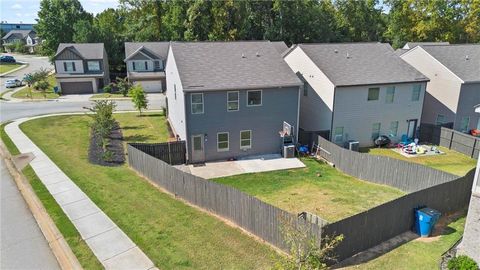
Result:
pixel 289 151
pixel 353 146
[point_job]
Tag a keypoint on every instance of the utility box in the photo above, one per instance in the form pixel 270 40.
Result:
pixel 352 145
pixel 289 151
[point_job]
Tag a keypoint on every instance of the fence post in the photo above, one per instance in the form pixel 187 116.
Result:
pixel 451 140
pixel 473 148
pixel 169 154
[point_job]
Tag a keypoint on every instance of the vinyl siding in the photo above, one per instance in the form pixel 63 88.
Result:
pixel 469 97
pixel 315 108
pixel 176 107
pixel 59 67
pixel 356 115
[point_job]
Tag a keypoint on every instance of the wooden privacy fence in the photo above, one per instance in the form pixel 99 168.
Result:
pixel 173 153
pixel 452 139
pixel 248 212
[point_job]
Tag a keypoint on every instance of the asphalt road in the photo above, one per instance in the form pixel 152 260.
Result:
pixel 34 64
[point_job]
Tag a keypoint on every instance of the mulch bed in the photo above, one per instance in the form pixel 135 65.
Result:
pixel 115 146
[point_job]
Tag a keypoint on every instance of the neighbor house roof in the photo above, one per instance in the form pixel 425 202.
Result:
pixel 21 33
pixel 463 60
pixel 231 65
pixel 400 51
pixel 159 49
pixel 347 64
pixel 411 45
pixel 280 46
pixel 85 50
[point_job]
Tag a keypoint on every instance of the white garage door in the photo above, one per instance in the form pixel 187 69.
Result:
pixel 151 86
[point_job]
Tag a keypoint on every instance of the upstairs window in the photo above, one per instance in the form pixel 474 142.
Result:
pixel 140 65
pixel 254 98
pixel 232 101
pixel 390 97
pixel 373 93
pixel 197 103
pixel 157 64
pixel 416 92
pixel 69 66
pixel 93 65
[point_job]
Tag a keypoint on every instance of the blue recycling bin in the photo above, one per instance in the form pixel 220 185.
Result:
pixel 425 220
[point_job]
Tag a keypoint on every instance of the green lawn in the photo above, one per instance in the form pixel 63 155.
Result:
pixel 172 234
pixel 30 93
pixel 318 188
pixel 4 67
pixel 109 96
pixel 451 162
pixel 418 254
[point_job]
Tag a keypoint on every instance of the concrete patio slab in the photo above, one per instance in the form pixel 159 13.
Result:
pixel 80 209
pixel 69 196
pixel 101 244
pixel 94 224
pixel 131 260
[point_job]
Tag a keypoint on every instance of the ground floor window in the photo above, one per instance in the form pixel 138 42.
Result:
pixel 394 128
pixel 464 124
pixel 222 141
pixel 375 130
pixel 441 119
pixel 338 135
pixel 245 139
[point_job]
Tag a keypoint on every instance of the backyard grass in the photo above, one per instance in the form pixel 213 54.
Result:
pixel 171 233
pixel 109 96
pixel 417 254
pixel 25 92
pixel 318 188
pixel 4 67
pixel 452 161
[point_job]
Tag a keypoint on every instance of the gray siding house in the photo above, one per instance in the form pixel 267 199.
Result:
pixel 230 99
pixel 27 37
pixel 81 68
pixel 454 88
pixel 146 64
pixel 357 91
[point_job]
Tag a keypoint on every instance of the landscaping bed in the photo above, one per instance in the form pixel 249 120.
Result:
pixel 318 189
pixel 114 148
pixel 171 233
pixel 450 161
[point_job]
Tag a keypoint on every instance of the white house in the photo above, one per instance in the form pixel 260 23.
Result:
pixel 357 91
pixel 454 88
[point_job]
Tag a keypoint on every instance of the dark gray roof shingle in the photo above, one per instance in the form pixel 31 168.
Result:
pixel 361 63
pixel 463 60
pixel 86 50
pixel 20 33
pixel 411 45
pixel 158 48
pixel 231 65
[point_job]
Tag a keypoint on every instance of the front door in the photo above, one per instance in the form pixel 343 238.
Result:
pixel 198 149
pixel 412 127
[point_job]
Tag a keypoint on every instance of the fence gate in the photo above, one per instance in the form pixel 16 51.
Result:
pixel 173 153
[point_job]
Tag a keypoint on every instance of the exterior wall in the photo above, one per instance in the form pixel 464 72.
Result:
pixel 93 80
pixel 316 108
pixel 265 121
pixel 79 68
pixel 151 86
pixel 469 98
pixel 356 114
pixel 106 68
pixel 443 90
pixel 176 105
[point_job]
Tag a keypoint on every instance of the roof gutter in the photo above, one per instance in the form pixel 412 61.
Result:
pixel 200 89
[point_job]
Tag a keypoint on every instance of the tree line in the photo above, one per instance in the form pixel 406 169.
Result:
pixel 393 21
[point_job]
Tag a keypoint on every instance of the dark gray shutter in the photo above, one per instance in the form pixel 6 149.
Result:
pixel 146 65
pixel 133 65
pixel 73 65
pixel 65 66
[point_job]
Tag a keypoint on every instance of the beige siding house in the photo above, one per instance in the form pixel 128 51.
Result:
pixel 357 91
pixel 454 88
pixel 81 68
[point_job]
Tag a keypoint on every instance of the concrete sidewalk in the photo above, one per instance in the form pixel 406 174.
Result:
pixel 110 244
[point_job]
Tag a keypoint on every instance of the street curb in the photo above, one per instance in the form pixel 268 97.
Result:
pixel 60 248
pixel 23 65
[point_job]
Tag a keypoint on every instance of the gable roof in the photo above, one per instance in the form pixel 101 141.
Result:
pixel 463 60
pixel 158 49
pixel 399 52
pixel 411 45
pixel 84 50
pixel 347 64
pixel 21 33
pixel 231 65
pixel 280 46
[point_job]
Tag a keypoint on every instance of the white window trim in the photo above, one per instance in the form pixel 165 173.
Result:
pixel 387 95
pixel 238 101
pixel 71 63
pixel 228 142
pixel 396 132
pixel 201 142
pixel 250 145
pixel 191 103
pixel 261 98
pixel 419 92
pixel 96 62
pixel 335 135
pixel 368 94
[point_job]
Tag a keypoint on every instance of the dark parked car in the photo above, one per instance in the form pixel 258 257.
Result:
pixel 7 59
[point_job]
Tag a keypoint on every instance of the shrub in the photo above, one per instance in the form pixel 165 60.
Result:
pixel 42 86
pixel 103 121
pixel 123 85
pixel 462 263
pixel 139 98
pixel 107 88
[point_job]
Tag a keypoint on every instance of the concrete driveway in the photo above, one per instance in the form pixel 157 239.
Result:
pixel 252 164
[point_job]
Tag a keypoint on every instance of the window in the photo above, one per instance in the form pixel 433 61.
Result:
pixel 305 89
pixel 417 88
pixel 338 135
pixel 197 143
pixel 222 141
pixel 394 128
pixel 375 130
pixel 93 65
pixel 140 65
pixel 441 119
pixel 373 93
pixel 157 64
pixel 69 66
pixel 197 103
pixel 245 139
pixel 464 124
pixel 254 98
pixel 390 94
pixel 232 101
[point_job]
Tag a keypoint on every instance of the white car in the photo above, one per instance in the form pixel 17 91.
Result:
pixel 13 83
